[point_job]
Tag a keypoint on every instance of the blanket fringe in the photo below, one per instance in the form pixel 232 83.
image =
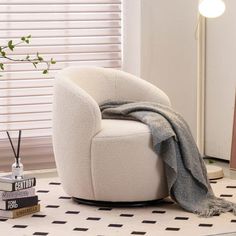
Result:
pixel 216 206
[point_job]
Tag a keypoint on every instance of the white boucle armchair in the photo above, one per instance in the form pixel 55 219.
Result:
pixel 98 159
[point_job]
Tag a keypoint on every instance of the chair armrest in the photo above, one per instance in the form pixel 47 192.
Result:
pixel 76 119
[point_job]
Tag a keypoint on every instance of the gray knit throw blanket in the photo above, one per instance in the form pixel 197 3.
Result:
pixel 172 140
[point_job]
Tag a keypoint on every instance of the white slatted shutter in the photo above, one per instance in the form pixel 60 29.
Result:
pixel 73 32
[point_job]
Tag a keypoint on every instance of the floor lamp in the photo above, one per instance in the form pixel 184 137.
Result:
pixel 207 9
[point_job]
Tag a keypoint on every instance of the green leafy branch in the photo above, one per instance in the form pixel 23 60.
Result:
pixel 34 60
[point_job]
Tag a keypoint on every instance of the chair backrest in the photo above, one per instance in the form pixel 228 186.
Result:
pixel 104 84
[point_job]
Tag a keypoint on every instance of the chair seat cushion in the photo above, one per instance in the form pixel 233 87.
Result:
pixel 124 166
pixel 121 128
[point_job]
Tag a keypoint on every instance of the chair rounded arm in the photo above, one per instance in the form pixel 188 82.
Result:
pixel 76 119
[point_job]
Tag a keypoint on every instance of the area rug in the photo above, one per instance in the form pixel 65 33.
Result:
pixel 60 215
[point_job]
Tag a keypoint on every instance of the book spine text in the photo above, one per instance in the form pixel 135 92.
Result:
pixel 24 184
pixel 20 202
pixel 5 195
pixel 25 211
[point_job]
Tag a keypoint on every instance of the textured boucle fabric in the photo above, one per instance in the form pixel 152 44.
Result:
pixel 77 119
pixel 186 174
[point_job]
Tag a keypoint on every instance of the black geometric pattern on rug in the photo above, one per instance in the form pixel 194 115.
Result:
pixel 63 197
pixel 158 212
pixel 138 233
pixel 172 229
pixel 226 195
pixel 149 222
pixel 72 212
pixel 43 191
pixel 58 222
pixel 80 229
pixel 61 215
pixel 205 225
pixel 20 226
pixel 93 218
pixel 54 183
pixel 104 209
pixel 38 215
pixel 231 186
pixel 126 215
pixel 40 233
pixel 115 225
pixel 52 206
pixel 181 218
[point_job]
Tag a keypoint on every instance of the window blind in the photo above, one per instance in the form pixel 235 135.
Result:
pixel 73 32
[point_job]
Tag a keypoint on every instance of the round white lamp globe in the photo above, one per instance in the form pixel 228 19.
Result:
pixel 211 8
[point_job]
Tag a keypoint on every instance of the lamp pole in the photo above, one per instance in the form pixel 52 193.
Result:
pixel 211 9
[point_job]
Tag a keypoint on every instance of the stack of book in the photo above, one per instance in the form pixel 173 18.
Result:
pixel 17 197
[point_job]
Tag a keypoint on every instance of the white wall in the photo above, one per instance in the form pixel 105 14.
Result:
pixel 220 82
pixel 160 46
pixel 169 52
pixel 132 36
